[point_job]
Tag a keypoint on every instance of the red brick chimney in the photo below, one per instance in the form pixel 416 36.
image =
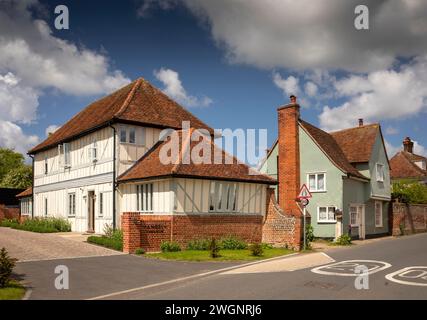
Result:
pixel 408 145
pixel 289 157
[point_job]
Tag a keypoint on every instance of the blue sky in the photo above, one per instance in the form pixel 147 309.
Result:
pixel 233 77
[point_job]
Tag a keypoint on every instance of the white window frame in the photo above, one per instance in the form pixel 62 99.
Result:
pixel 93 152
pixel 101 202
pixel 220 201
pixel 379 174
pixel 130 131
pixel 327 214
pixel 67 154
pixel 71 204
pixel 144 197
pixel 356 224
pixel 380 203
pixel 25 207
pixel 316 174
pixel 123 129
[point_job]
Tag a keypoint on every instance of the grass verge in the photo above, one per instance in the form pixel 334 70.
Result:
pixel 225 255
pixel 115 244
pixel 14 291
pixel 40 225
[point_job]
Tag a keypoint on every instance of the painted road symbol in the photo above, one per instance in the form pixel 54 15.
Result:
pixel 347 268
pixel 412 276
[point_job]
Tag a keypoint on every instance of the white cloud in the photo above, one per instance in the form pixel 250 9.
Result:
pixel 391 130
pixel 146 6
pixel 32 60
pixel 51 129
pixel 392 149
pixel 288 85
pixel 386 94
pixel 174 89
pixel 310 89
pixel 309 34
pixel 13 137
pixel 420 149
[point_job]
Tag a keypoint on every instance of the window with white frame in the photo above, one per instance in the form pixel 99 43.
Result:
pixel 316 182
pixel 67 155
pixel 71 204
pixel 25 206
pixel 132 135
pixel 354 217
pixel 93 152
pixel 46 165
pixel 380 172
pixel 378 214
pixel 101 204
pixel 326 214
pixel 123 135
pixel 144 197
pixel 222 196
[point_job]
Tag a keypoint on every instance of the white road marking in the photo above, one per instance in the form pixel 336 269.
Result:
pixel 403 273
pixel 350 265
pixel 187 278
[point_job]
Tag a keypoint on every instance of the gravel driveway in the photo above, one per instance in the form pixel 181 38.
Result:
pixel 29 246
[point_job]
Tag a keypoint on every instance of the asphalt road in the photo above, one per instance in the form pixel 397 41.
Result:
pixel 304 284
pixel 131 277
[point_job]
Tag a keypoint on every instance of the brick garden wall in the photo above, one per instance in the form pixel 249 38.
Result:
pixel 8 213
pixel 407 218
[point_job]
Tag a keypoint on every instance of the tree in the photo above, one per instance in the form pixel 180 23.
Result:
pixel 9 160
pixel 19 178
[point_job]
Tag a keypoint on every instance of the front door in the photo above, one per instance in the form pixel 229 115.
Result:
pixel 91 211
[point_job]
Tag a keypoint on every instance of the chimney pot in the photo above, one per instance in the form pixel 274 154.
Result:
pixel 408 145
pixel 293 99
pixel 360 122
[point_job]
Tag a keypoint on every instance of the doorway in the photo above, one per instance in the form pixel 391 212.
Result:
pixel 91 211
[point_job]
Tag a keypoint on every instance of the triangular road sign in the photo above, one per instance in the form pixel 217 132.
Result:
pixel 304 193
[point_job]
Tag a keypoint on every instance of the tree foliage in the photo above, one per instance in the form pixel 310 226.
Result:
pixel 410 192
pixel 9 160
pixel 14 173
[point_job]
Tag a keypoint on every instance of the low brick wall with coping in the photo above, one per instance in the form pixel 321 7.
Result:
pixel 8 212
pixel 407 218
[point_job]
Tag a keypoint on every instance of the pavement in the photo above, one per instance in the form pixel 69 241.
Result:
pixel 32 246
pixel 396 269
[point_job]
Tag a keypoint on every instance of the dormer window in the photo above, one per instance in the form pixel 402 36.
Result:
pixel 380 172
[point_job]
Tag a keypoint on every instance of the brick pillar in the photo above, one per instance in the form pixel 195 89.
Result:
pixel 131 231
pixel 289 158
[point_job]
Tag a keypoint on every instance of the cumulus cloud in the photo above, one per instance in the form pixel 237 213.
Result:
pixel 309 34
pixel 289 85
pixel 146 6
pixel 173 88
pixel 391 130
pixel 51 129
pixel 32 60
pixel 378 95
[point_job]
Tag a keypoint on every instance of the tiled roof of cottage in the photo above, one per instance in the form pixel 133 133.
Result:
pixel 357 143
pixel 402 166
pixel 332 149
pixel 150 165
pixel 26 193
pixel 139 102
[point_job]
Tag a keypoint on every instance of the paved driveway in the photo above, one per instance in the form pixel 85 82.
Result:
pixel 30 246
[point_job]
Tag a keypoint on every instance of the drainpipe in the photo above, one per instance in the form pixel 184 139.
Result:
pixel 32 193
pixel 114 176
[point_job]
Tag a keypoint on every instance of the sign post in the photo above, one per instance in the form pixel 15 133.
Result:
pixel 303 196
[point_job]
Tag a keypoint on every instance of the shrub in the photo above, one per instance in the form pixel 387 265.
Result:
pixel 343 240
pixel 170 246
pixel 410 192
pixel 139 251
pixel 41 225
pixel 266 246
pixel 233 243
pixel 256 249
pixel 10 223
pixel 106 242
pixel 108 230
pixel 214 248
pixel 6 267
pixel 198 244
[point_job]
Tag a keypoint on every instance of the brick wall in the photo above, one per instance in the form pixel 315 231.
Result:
pixel 281 229
pixel 8 213
pixel 148 231
pixel 407 218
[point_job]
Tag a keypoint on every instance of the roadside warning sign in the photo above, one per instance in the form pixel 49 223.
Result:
pixel 304 193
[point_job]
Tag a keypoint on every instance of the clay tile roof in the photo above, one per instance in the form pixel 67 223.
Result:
pixel 402 166
pixel 26 193
pixel 150 166
pixel 357 143
pixel 138 102
pixel 332 149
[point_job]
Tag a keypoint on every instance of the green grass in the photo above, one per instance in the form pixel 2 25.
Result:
pixel 14 291
pixel 226 255
pixel 112 243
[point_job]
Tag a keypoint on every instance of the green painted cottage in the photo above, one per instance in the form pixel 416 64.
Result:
pixel 347 173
